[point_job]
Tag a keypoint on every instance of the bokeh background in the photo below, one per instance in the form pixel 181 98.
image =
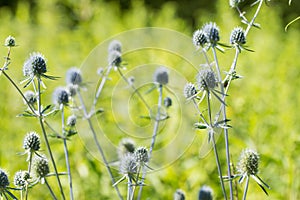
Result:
pixel 263 106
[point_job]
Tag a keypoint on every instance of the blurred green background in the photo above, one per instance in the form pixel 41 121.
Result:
pixel 262 105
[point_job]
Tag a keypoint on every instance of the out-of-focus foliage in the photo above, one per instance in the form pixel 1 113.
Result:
pixel 262 105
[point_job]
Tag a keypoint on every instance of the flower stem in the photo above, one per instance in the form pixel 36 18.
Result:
pixel 246 188
pixel 254 17
pixel 49 188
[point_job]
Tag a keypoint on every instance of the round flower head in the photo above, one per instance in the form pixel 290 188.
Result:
pixel 238 36
pixel 40 166
pixel 73 76
pixel 30 97
pixel 71 120
pixel 167 102
pixel 199 38
pixel 115 58
pixel 125 146
pixel 141 155
pixel 189 90
pixel 128 164
pixel 205 193
pixel 32 141
pixel 235 3
pixel 72 90
pixel 248 163
pixel 211 32
pixel 115 45
pixel 10 41
pixel 35 65
pixel 161 76
pixel 206 79
pixel 20 179
pixel 179 195
pixel 60 96
pixel 3 180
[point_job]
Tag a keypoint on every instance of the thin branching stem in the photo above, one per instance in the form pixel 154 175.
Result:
pixel 87 117
pixel 50 189
pixel 246 188
pixel 251 23
pixel 29 171
pixel 66 152
pixel 46 138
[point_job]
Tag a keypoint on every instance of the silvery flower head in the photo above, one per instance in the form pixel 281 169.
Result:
pixel 205 193
pixel 238 36
pixel 199 38
pixel 40 166
pixel 60 96
pixel 35 65
pixel 3 180
pixel 73 76
pixel 10 41
pixel 248 164
pixel 189 90
pixel 72 90
pixel 206 79
pixel 179 195
pixel 20 179
pixel 115 45
pixel 30 97
pixel 128 165
pixel 126 146
pixel 141 155
pixel 211 31
pixel 71 121
pixel 114 58
pixel 32 141
pixel 161 76
pixel 235 3
pixel 167 102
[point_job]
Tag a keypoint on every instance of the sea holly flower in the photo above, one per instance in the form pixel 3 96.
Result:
pixel 126 146
pixel 60 96
pixel 205 193
pixel 141 156
pixel 21 179
pixel 73 76
pixel 4 183
pixel 179 195
pixel 31 144
pixel 115 45
pixel 40 167
pixel 161 76
pixel 10 41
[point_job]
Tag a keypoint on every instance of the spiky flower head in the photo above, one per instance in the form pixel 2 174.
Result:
pixel 20 179
pixel 35 65
pixel 72 90
pixel 71 121
pixel 73 76
pixel 248 164
pixel 238 36
pixel 60 96
pixel 115 45
pixel 189 90
pixel 126 146
pixel 205 193
pixel 40 166
pixel 32 141
pixel 3 180
pixel 10 41
pixel 235 3
pixel 167 102
pixel 206 79
pixel 114 58
pixel 141 155
pixel 199 38
pixel 161 76
pixel 128 165
pixel 179 195
pixel 211 32
pixel 30 97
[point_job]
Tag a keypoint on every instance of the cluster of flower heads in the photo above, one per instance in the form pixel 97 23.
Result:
pixel 208 36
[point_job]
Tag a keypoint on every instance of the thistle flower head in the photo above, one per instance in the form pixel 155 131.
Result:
pixel 20 179
pixel 128 164
pixel 248 163
pixel 235 3
pixel 10 41
pixel 211 31
pixel 125 146
pixel 40 166
pixel 114 58
pixel 32 141
pixel 71 121
pixel 167 102
pixel 199 38
pixel 30 96
pixel 179 195
pixel 161 76
pixel 238 36
pixel 3 180
pixel 189 90
pixel 35 65
pixel 115 45
pixel 72 90
pixel 73 76
pixel 206 79
pixel 60 96
pixel 205 193
pixel 141 155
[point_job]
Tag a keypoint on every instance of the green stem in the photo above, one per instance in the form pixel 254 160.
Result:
pixel 29 171
pixel 254 17
pixel 50 189
pixel 246 188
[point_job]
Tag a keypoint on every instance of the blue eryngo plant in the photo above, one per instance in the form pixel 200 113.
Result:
pixel 205 193
pixel 31 144
pixel 73 76
pixel 4 186
pixel 179 195
pixel 161 76
pixel 10 41
pixel 21 179
pixel 41 168
pixel 60 96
